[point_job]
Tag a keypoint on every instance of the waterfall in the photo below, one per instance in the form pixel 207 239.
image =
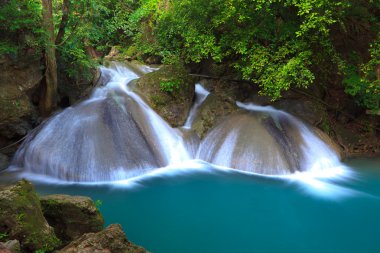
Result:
pixel 266 141
pixel 115 135
pixel 200 96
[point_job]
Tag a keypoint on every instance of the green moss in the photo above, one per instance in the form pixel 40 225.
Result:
pixel 21 217
pixel 169 91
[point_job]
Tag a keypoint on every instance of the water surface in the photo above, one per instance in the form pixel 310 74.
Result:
pixel 208 210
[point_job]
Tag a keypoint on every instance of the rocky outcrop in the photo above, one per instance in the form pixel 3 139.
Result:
pixel 169 91
pixel 21 218
pixel 76 220
pixel 71 216
pixel 73 90
pixel 220 103
pixel 20 78
pixel 111 240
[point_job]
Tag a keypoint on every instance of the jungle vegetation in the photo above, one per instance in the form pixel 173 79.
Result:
pixel 276 45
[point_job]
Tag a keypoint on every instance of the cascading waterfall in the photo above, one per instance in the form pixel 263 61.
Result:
pixel 201 95
pixel 266 141
pixel 115 135
pixel 111 136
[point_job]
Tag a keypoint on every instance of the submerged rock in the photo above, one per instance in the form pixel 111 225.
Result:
pixel 71 216
pixel 21 218
pixel 110 240
pixel 169 91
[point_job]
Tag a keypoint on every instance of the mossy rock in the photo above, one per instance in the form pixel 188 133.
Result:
pixel 112 240
pixel 220 103
pixel 71 216
pixel 169 91
pixel 21 218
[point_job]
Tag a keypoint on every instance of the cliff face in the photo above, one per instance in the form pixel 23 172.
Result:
pixel 19 83
pixel 21 79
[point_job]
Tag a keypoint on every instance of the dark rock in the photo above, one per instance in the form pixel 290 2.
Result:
pixel 211 112
pixel 220 103
pixel 71 216
pixel 309 111
pixel 20 78
pixel 173 105
pixel 110 240
pixel 21 218
pixel 4 161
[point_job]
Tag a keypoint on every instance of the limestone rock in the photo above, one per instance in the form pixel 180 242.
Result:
pixel 213 109
pixel 110 240
pixel 71 216
pixel 220 103
pixel 19 77
pixel 21 218
pixel 309 111
pixel 171 104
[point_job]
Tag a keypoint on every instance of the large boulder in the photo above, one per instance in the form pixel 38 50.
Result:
pixel 21 218
pixel 110 240
pixel 71 216
pixel 169 91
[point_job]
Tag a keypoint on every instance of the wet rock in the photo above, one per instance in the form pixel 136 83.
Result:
pixel 169 91
pixel 71 216
pixel 110 240
pixel 220 103
pixel 309 111
pixel 74 89
pixel 13 246
pixel 20 78
pixel 4 162
pixel 212 111
pixel 21 218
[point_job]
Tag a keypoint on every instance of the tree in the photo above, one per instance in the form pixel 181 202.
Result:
pixel 49 95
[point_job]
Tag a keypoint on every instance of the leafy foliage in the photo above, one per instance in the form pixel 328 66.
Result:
pixel 362 82
pixel 20 26
pixel 276 44
pixel 170 85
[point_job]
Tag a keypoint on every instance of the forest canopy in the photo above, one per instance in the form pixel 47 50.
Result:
pixel 275 44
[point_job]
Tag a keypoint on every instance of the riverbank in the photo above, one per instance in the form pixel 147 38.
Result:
pixel 59 223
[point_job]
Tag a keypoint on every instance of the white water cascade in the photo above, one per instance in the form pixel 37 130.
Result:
pixel 115 135
pixel 266 141
pixel 200 96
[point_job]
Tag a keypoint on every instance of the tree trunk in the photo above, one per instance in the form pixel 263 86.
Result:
pixel 49 95
pixel 64 21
